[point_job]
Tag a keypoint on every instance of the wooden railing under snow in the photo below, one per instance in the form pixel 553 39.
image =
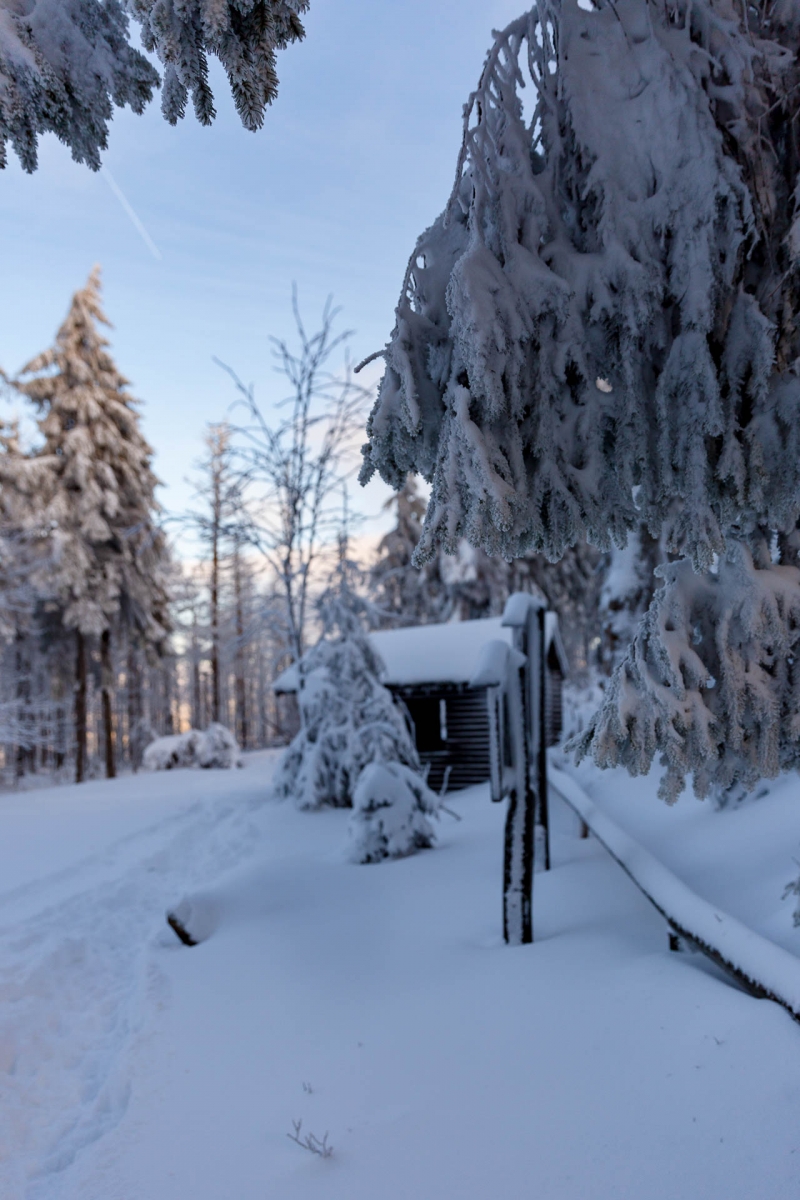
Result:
pixel 757 964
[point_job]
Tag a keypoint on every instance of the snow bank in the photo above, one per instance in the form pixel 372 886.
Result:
pixel 216 747
pixel 177 750
pixel 760 964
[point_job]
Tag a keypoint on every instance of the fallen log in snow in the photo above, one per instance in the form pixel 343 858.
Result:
pixel 760 966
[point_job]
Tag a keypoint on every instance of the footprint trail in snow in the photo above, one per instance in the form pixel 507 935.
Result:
pixel 75 983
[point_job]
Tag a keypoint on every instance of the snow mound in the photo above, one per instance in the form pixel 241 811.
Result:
pixel 391 807
pixel 176 750
pixel 216 747
pixel 196 915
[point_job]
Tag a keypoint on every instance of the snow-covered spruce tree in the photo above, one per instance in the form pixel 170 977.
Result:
pixel 402 591
pixel 458 587
pixel 348 723
pixel 600 331
pixel 64 64
pixel 98 498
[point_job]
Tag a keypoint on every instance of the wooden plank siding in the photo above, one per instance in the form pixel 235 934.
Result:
pixel 465 748
pixel 553 698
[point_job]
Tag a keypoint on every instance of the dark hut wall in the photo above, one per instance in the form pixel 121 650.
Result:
pixel 451 728
pixel 553 697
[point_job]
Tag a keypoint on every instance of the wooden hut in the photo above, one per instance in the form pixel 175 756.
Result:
pixel 428 669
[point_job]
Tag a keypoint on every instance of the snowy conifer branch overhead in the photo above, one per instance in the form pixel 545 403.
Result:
pixel 605 308
pixel 712 679
pixel 243 34
pixel 64 64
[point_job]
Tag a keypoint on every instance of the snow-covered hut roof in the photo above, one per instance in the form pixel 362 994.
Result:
pixel 447 653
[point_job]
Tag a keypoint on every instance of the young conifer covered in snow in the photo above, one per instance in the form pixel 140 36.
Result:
pixel 64 64
pixel 403 591
pixel 458 587
pixel 392 811
pixel 600 329
pixel 354 747
pixel 347 717
pixel 97 496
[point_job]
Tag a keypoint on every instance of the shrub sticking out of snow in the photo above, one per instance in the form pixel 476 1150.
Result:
pixel 391 809
pixel 216 747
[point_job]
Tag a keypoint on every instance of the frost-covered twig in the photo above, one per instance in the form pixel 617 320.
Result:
pixel 310 1141
pixel 793 889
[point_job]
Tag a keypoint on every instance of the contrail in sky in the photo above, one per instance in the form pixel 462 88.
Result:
pixel 140 229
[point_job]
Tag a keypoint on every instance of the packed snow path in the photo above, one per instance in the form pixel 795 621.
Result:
pixel 376 1003
pixel 86 875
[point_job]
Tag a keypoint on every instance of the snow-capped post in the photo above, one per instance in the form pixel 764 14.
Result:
pixel 501 671
pixel 525 615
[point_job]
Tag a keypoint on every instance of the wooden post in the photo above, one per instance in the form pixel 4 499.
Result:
pixel 518 846
pixel 502 671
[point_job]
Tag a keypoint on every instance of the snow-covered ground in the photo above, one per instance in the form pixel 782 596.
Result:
pixel 379 1004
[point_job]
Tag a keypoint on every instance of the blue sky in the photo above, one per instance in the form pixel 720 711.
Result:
pixel 356 158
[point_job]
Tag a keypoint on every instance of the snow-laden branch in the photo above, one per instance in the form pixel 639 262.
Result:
pixel 711 679
pixel 65 64
pixel 607 301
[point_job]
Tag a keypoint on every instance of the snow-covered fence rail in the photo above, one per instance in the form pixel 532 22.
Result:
pixel 761 967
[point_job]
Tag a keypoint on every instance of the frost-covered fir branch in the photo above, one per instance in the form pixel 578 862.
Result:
pixel 712 679
pixel 244 35
pixel 608 300
pixel 65 64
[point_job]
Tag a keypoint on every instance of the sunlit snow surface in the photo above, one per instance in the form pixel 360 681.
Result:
pixel 379 1004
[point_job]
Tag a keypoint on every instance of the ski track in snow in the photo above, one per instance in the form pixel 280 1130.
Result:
pixel 74 987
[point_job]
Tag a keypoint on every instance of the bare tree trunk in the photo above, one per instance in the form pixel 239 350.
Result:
pixel 215 688
pixel 107 675
pixel 167 675
pixel 19 756
pixel 134 677
pixel 241 694
pixel 196 699
pixel 80 706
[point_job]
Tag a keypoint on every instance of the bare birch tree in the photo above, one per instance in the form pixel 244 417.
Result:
pixel 294 462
